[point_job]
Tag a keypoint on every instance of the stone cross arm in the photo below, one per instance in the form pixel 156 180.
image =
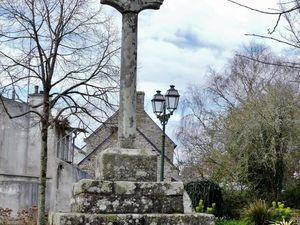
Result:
pixel 134 6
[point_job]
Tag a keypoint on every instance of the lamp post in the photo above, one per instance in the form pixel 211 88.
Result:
pixel 160 105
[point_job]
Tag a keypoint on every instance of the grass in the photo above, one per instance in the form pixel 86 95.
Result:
pixel 230 222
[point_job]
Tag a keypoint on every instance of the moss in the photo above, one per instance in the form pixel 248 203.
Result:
pixel 120 190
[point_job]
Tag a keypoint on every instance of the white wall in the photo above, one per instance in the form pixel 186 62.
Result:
pixel 19 192
pixel 13 140
pixel 20 162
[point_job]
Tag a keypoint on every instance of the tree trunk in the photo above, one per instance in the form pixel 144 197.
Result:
pixel 279 165
pixel 279 175
pixel 43 161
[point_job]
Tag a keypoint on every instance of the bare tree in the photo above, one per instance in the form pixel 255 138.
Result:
pixel 286 8
pixel 68 47
pixel 288 12
pixel 243 123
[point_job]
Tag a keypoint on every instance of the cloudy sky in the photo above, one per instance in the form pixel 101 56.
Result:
pixel 178 42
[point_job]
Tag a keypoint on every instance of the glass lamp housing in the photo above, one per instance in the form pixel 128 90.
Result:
pixel 172 98
pixel 158 103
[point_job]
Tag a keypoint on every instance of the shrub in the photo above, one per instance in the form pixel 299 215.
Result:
pixel 5 215
pixel 284 222
pixel 200 208
pixel 206 190
pixel 258 213
pixel 28 216
pixel 292 196
pixel 280 212
pixel 234 202
pixel 212 209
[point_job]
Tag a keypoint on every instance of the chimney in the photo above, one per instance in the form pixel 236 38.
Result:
pixel 36 89
pixel 13 97
pixel 140 96
pixel 140 115
pixel 35 99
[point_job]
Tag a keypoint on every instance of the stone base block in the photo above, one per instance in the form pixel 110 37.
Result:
pixel 92 196
pixel 130 219
pixel 118 164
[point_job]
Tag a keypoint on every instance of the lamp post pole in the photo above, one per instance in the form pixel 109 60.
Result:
pixel 160 104
pixel 162 158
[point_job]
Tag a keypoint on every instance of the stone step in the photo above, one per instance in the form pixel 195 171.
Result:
pixel 130 219
pixel 94 196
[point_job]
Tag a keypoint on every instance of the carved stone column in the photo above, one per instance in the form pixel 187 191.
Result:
pixel 127 106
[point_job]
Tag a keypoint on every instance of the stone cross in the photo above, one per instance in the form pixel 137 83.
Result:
pixel 127 106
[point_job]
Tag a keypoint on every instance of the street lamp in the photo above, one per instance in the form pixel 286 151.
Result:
pixel 160 104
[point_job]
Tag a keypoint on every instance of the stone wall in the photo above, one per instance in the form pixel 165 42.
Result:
pixel 61 188
pixel 88 165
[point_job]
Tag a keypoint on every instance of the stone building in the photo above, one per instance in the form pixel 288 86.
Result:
pixel 20 158
pixel 148 137
pixel 20 154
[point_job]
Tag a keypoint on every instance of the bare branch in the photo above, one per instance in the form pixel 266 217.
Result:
pixel 265 12
pixel 274 39
pixel 19 115
pixel 279 14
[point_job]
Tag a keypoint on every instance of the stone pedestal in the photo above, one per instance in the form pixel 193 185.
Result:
pixel 126 193
pixel 131 219
pixel 120 164
pixel 127 197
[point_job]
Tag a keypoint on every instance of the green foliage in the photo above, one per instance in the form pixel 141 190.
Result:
pixel 209 210
pixel 280 212
pixel 230 222
pixel 206 191
pixel 263 127
pixel 285 222
pixel 243 129
pixel 212 209
pixel 292 196
pixel 258 213
pixel 200 207
pixel 234 202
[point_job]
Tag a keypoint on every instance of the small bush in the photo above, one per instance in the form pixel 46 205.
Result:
pixel 285 222
pixel 280 212
pixel 208 191
pixel 292 196
pixel 234 202
pixel 28 216
pixel 258 213
pixel 5 215
pixel 200 208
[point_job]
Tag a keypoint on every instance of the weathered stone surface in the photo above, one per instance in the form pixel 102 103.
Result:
pixel 102 187
pixel 119 164
pixel 133 5
pixel 148 137
pixel 99 187
pixel 127 103
pixel 130 219
pixel 85 203
pixel 187 203
pixel 127 197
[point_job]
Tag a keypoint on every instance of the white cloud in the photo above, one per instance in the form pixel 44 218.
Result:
pixel 178 42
